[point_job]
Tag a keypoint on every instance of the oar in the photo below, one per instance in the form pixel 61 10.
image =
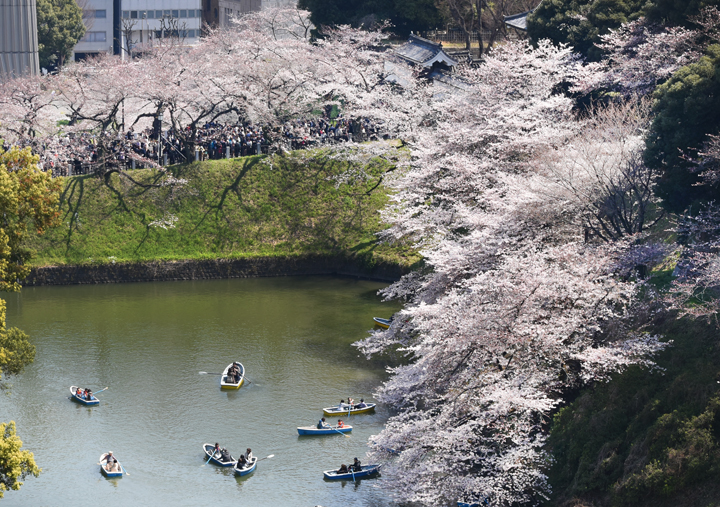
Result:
pixel 208 373
pixel 343 434
pixel 211 457
pixel 101 390
pixel 124 470
pixel 267 457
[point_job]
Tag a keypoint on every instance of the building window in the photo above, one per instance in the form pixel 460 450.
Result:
pixel 133 14
pixel 158 15
pixel 166 14
pixel 142 14
pixel 158 34
pixel 151 14
pixel 100 13
pixel 126 14
pixel 183 14
pixel 94 37
pixel 175 14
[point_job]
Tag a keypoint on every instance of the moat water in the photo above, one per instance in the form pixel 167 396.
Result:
pixel 147 342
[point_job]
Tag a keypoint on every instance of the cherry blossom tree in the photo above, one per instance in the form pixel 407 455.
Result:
pixel 513 307
pixel 600 173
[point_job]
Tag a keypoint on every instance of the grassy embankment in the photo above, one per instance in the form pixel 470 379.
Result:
pixel 234 208
pixel 646 438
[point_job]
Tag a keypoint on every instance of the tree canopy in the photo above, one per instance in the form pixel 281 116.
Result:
pixel 580 23
pixel 687 109
pixel 15 464
pixel 60 27
pixel 28 196
pixel 405 15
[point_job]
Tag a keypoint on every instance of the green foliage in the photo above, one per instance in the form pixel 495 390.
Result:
pixel 60 27
pixel 676 13
pixel 253 206
pixel 28 197
pixel 581 22
pixel 645 438
pixel 687 108
pixel 405 15
pixel 15 464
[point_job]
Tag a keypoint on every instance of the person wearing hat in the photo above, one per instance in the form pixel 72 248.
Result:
pixel 109 460
pixel 362 404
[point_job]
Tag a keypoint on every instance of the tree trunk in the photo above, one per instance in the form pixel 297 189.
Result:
pixel 478 5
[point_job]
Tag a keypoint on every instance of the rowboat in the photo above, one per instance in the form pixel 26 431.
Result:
pixel 225 384
pixel 314 430
pixel 337 411
pixel 79 399
pixel 216 459
pixel 366 471
pixel 465 504
pixel 247 469
pixel 117 470
pixel 383 323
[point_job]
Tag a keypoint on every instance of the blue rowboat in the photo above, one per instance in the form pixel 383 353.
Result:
pixel 339 412
pixel 116 471
pixel 314 430
pixel 217 459
pixel 80 399
pixel 366 471
pixel 383 323
pixel 249 467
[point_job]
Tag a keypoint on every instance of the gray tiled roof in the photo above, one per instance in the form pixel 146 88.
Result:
pixel 518 21
pixel 424 52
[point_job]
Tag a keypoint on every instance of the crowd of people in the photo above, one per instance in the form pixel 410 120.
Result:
pixel 78 153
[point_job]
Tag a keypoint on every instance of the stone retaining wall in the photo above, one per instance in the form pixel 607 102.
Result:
pixel 211 269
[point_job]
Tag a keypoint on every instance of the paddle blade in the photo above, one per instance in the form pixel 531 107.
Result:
pixel 271 456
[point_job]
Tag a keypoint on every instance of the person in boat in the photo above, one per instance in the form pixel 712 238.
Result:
pixel 341 424
pixel 343 469
pixel 79 392
pixel 356 466
pixel 342 405
pixel 89 395
pixel 216 450
pixel 242 462
pixel 322 424
pixel 225 455
pixel 109 460
pixel 248 454
pixel 362 404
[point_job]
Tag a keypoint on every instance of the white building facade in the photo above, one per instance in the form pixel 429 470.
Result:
pixel 98 18
pixel 122 26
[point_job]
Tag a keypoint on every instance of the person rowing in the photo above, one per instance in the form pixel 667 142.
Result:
pixel 110 461
pixel 321 425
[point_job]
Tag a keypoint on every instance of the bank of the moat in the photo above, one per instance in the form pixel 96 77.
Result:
pixel 210 269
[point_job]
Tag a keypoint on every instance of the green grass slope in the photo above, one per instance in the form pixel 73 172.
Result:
pixel 647 438
pixel 290 205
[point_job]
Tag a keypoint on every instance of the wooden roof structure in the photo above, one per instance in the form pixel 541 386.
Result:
pixel 424 52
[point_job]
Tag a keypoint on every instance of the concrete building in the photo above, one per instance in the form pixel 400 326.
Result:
pixel 98 18
pixel 226 9
pixel 119 26
pixel 18 38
